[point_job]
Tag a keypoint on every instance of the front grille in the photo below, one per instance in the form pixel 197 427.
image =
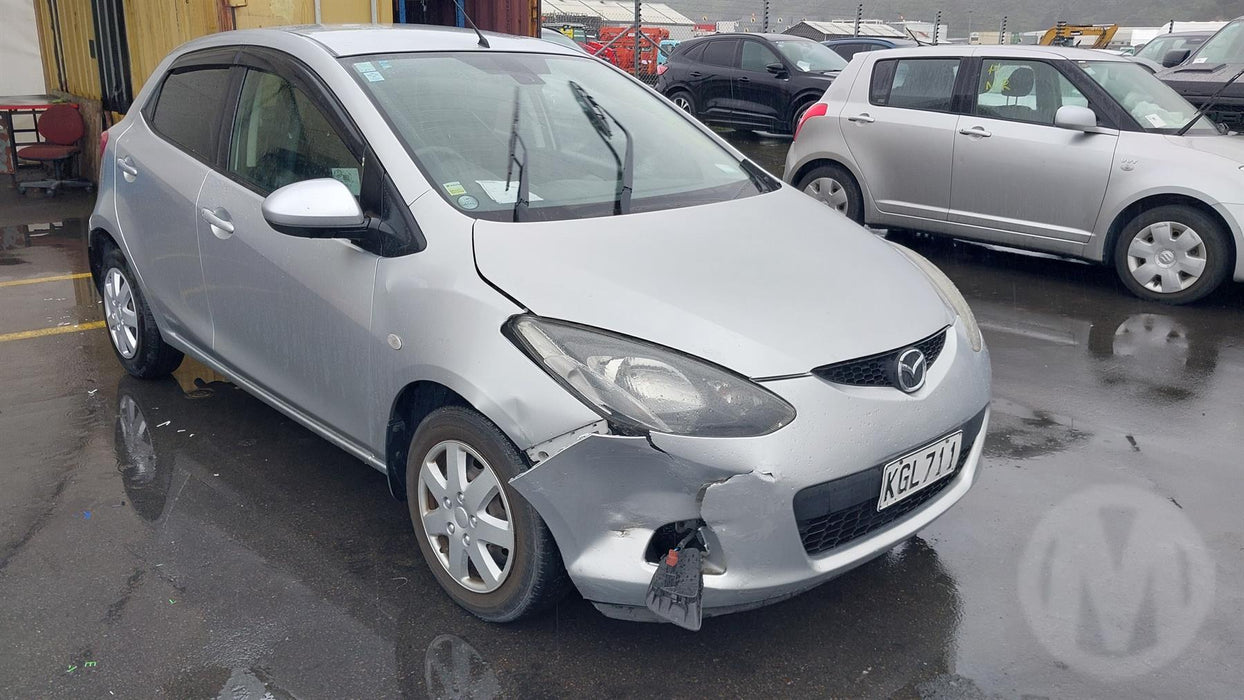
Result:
pixel 838 512
pixel 879 369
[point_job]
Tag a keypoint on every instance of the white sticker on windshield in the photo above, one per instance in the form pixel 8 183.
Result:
pixel 803 65
pixel 727 168
pixel 1157 121
pixel 373 77
pixel 495 189
pixel 364 67
pixel 348 177
pixel 1201 59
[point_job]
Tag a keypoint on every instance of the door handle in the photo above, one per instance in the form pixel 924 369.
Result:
pixel 976 131
pixel 128 171
pixel 861 119
pixel 696 74
pixel 744 79
pixel 219 220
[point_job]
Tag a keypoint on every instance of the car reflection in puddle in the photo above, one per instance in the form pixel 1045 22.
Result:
pixel 281 542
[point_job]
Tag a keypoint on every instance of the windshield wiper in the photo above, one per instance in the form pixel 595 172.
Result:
pixel 1205 106
pixel 523 196
pixel 626 163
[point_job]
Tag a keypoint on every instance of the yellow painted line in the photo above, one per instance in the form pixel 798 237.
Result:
pixel 53 278
pixel 55 330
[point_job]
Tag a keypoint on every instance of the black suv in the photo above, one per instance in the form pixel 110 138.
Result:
pixel 760 82
pixel 1207 70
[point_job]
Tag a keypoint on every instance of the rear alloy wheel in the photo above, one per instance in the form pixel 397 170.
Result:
pixel 836 188
pixel 683 101
pixel 131 327
pixel 1173 254
pixel 486 546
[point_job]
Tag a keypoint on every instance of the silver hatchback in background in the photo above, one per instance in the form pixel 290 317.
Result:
pixel 1066 151
pixel 580 356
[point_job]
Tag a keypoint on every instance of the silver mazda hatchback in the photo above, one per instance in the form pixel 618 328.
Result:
pixel 588 343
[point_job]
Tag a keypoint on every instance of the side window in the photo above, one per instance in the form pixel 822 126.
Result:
pixel 281 137
pixel 187 110
pixel 694 53
pixel 720 53
pixel 848 51
pixel 756 56
pixel 1025 91
pixel 915 83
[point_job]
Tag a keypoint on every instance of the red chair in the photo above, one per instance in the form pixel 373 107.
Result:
pixel 61 128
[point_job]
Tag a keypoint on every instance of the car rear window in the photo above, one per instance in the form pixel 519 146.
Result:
pixel 188 109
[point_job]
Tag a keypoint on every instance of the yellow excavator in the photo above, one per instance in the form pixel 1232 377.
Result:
pixel 1087 36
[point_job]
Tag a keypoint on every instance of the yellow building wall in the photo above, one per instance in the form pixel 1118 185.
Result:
pixel 77 30
pixel 153 28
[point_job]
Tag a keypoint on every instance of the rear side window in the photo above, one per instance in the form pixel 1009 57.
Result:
pixel 720 53
pixel 915 83
pixel 188 109
pixel 691 53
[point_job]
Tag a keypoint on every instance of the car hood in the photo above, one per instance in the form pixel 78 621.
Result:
pixel 1203 79
pixel 769 285
pixel 1229 147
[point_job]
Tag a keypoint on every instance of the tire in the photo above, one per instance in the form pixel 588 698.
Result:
pixel 836 188
pixel 683 100
pixel 132 330
pixel 529 576
pixel 1174 254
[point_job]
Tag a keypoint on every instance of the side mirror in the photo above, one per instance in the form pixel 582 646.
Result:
pixel 322 208
pixel 776 68
pixel 1175 57
pixel 1076 118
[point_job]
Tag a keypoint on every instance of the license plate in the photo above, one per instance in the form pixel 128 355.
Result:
pixel 916 471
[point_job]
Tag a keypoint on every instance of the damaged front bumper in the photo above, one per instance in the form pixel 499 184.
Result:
pixel 605 497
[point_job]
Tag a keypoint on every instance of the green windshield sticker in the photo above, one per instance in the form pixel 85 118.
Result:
pixel 373 77
pixel 348 177
pixel 454 189
pixel 364 67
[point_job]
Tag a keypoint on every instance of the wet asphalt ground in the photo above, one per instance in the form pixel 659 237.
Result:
pixel 181 539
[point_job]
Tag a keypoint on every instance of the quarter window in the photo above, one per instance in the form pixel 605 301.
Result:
pixel 188 109
pixel 1025 91
pixel 920 83
pixel 281 137
pixel 757 56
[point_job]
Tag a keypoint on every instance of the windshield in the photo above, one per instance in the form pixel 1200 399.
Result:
pixel 1227 46
pixel 811 56
pixel 457 115
pixel 1157 49
pixel 1151 102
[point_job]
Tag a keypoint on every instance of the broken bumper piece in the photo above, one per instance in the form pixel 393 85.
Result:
pixel 604 497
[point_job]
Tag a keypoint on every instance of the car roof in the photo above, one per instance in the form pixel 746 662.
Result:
pixel 358 39
pixel 771 36
pixel 895 41
pixel 1007 50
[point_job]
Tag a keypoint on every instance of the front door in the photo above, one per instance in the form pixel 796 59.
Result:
pixel 761 98
pixel 1016 175
pixel 291 314
pixel 900 128
pixel 161 162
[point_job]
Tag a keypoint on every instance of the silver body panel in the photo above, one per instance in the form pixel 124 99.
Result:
pixel 997 189
pixel 768 286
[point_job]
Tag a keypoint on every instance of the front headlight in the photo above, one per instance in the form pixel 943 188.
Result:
pixel 646 387
pixel 950 294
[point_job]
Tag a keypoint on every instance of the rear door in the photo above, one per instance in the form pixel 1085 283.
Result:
pixel 161 163
pixel 900 128
pixel 292 314
pixel 1016 175
pixel 715 78
pixel 760 97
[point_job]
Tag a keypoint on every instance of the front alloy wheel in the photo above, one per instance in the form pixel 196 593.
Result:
pixel 465 516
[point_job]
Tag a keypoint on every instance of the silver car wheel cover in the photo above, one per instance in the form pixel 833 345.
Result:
pixel 682 103
pixel 1166 257
pixel 120 313
pixel 465 516
pixel 829 191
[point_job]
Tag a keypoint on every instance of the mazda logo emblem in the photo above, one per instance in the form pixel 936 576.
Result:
pixel 910 370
